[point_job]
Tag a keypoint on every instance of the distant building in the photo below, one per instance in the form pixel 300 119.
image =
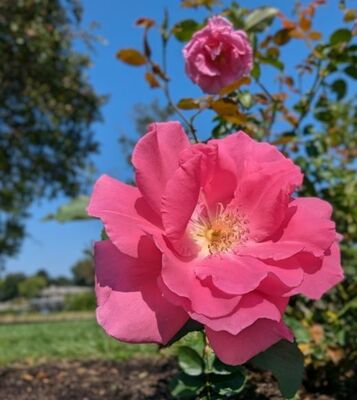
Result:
pixel 52 298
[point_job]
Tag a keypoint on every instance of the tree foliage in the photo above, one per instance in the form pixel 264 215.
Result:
pixel 47 107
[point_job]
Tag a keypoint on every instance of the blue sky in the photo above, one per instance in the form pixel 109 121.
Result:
pixel 55 246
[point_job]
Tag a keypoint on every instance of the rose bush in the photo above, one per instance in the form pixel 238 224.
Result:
pixel 212 232
pixel 217 55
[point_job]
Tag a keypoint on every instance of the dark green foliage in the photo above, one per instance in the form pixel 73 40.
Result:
pixel 83 270
pixel 203 375
pixel 32 286
pixel 9 286
pixel 47 107
pixel 286 362
pixel 80 302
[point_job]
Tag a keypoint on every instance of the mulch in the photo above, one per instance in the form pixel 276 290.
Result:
pixel 135 379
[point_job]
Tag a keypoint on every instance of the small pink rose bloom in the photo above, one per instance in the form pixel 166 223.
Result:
pixel 212 233
pixel 217 55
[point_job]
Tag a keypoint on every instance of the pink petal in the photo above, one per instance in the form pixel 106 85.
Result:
pixel 239 148
pixel 263 197
pixel 252 307
pixel 282 277
pixel 131 307
pixel 180 198
pixel 179 277
pixel 125 214
pixel 238 349
pixel 309 229
pixel 316 282
pixel 233 275
pixel 156 158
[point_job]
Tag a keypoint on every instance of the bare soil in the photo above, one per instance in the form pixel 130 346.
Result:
pixel 135 379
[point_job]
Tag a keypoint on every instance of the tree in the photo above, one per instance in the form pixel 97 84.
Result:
pixel 9 286
pixel 83 270
pixel 47 107
pixel 32 286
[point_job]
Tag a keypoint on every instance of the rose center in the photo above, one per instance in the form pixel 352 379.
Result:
pixel 219 233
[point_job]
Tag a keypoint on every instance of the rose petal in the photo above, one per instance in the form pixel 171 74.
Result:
pixel 238 349
pixel 125 214
pixel 156 157
pixel 179 277
pixel 309 229
pixel 131 307
pixel 252 307
pixel 318 281
pixel 233 275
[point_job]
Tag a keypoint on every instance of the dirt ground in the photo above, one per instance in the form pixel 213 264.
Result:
pixel 135 379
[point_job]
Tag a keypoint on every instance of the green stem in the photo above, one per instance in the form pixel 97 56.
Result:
pixel 206 351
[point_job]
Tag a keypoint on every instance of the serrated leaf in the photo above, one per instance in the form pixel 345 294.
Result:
pixel 145 22
pixel 341 36
pixel 305 23
pixel 245 99
pixel 350 15
pixel 151 80
pixel 131 57
pixel 190 361
pixel 259 18
pixel 351 71
pixel 188 104
pixel 219 368
pixel 75 210
pixel 273 62
pixel 255 72
pixel 339 86
pixel 235 85
pixel 199 3
pixel 184 30
pixel 186 387
pixel 282 37
pixel 286 362
pixel 229 384
pixel 315 35
pixel 224 107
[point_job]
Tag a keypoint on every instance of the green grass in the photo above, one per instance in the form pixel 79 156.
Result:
pixel 82 339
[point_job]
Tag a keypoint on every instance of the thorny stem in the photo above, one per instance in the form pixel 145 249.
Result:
pixel 166 90
pixel 206 351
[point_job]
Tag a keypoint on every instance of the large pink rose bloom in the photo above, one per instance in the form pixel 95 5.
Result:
pixel 217 55
pixel 212 233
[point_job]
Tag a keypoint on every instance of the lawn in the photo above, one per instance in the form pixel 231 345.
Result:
pixel 79 339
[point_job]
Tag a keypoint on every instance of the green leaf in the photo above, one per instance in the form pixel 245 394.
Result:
pixel 75 210
pixel 286 362
pixel 351 71
pixel 190 361
pixel 340 88
pixel 273 62
pixel 341 36
pixel 220 368
pixel 131 57
pixel 184 30
pixel 188 104
pixel 187 387
pixel 260 18
pixel 255 72
pixel 245 99
pixel 229 384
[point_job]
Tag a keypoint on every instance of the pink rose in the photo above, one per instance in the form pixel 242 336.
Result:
pixel 217 55
pixel 211 233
